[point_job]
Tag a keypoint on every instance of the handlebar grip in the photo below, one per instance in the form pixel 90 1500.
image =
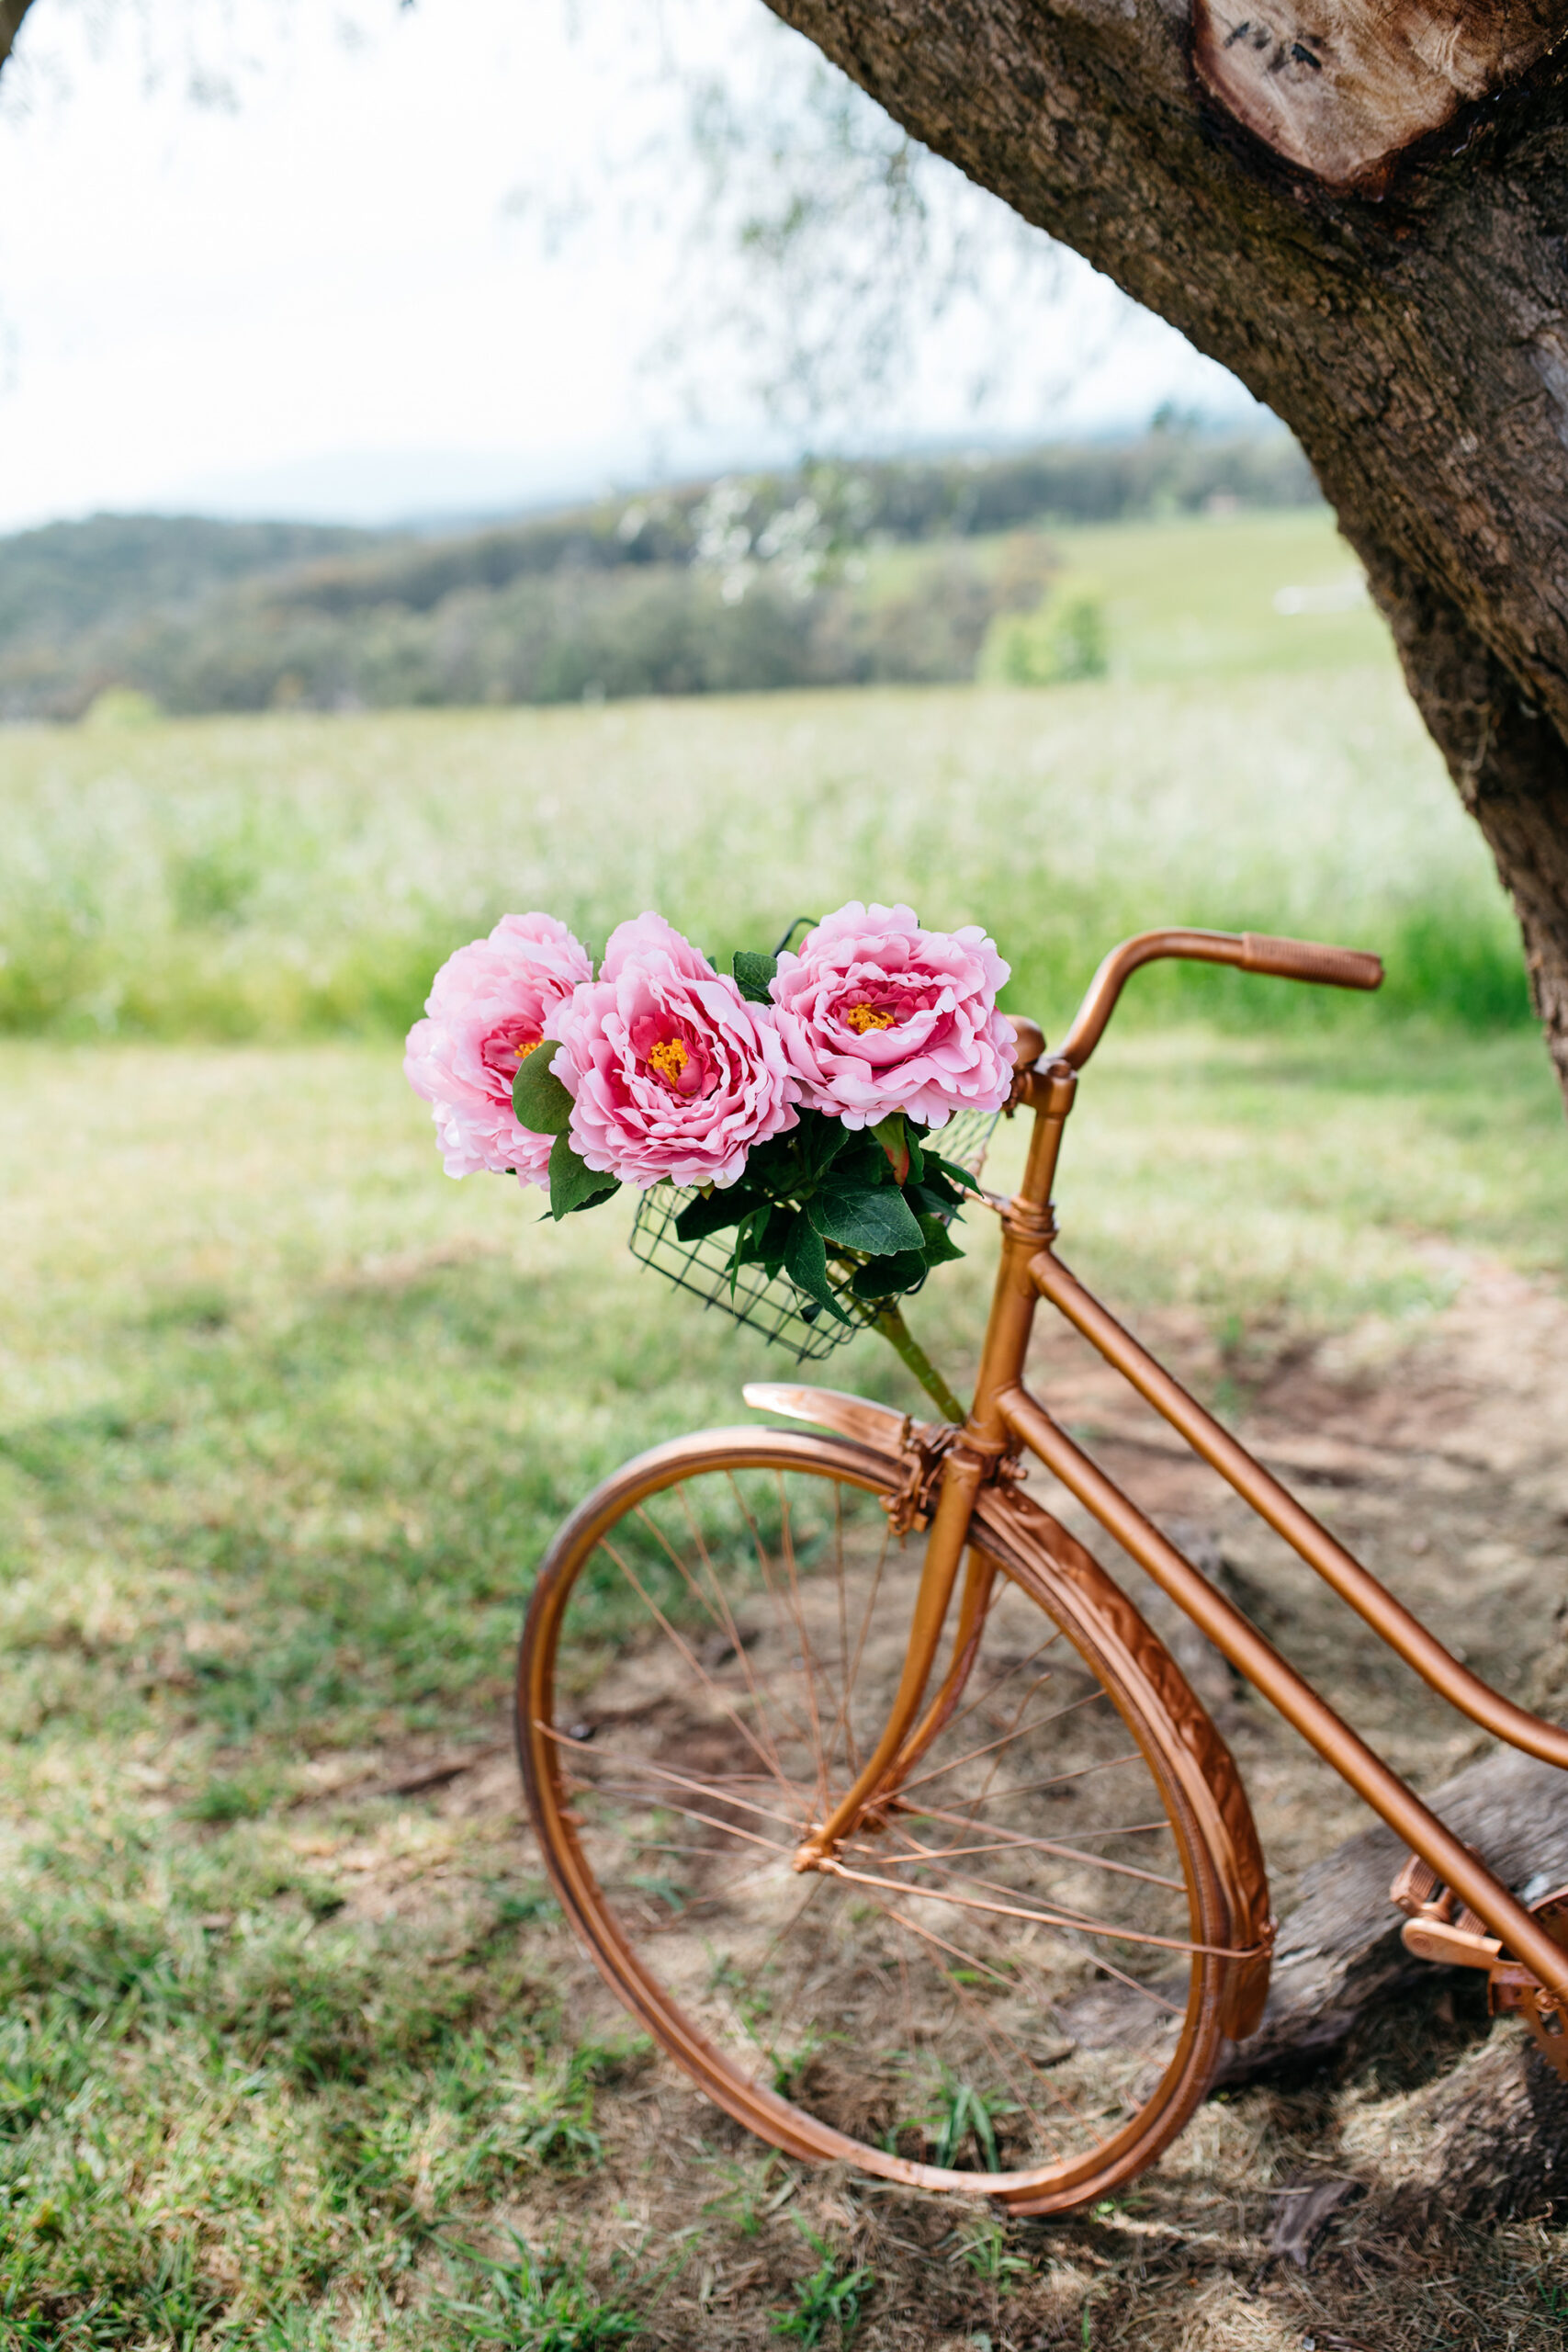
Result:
pixel 1306 959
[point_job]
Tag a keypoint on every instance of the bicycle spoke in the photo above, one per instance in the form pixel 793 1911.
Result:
pixel 1007 1838
pixel 721 1790
pixel 807 1657
pixel 995 1759
pixel 868 1611
pixel 1018 1666
pixel 1094 1699
pixel 813 1890
pixel 843 1596
pixel 964 1998
pixel 986 2027
pixel 783 1614
pixel 1059 1779
pixel 962 1980
pixel 1084 1922
pixel 710 1821
pixel 929 1935
pixel 732 1630
pixel 1145 1992
pixel 693 1664
pixel 1083 1925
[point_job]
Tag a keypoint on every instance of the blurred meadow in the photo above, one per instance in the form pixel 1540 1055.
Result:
pixel 280 876
pixel 286 1417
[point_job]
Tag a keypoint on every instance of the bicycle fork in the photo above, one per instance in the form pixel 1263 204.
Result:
pixel 961 1473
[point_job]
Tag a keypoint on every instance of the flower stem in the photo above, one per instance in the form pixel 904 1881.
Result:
pixel 897 1333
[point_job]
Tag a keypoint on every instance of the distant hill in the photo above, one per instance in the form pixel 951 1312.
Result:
pixel 758 580
pixel 57 582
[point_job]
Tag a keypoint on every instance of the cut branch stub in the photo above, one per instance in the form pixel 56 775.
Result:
pixel 1340 86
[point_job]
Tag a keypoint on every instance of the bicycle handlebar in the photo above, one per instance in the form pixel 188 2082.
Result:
pixel 1306 959
pixel 1250 951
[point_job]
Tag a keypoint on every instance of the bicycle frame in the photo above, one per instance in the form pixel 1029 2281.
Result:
pixel 1005 1420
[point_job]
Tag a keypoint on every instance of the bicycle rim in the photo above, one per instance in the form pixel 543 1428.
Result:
pixel 1011 1984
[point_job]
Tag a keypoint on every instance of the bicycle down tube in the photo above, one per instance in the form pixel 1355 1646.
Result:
pixel 1005 1417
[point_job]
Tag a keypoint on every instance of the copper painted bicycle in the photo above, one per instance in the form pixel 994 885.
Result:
pixel 880 1804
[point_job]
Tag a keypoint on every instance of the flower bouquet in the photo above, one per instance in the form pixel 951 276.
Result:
pixel 777 1119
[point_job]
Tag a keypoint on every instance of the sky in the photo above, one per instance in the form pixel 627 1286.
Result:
pixel 417 262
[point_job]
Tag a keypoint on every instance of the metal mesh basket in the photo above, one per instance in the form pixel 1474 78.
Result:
pixel 775 1307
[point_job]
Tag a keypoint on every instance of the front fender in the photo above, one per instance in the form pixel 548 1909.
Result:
pixel 832 1409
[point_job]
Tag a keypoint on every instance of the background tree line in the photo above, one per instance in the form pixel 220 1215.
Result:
pixel 831 573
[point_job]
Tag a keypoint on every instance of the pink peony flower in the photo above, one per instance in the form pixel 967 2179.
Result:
pixel 671 1071
pixel 487 1008
pixel 878 1015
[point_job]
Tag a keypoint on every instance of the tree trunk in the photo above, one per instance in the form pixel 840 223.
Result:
pixel 1505 753
pixel 1410 323
pixel 1491 2135
pixel 11 15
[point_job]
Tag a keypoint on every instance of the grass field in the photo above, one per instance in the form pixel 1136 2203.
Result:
pixel 1213 596
pixel 286 2050
pixel 1236 594
pixel 286 1417
pixel 287 876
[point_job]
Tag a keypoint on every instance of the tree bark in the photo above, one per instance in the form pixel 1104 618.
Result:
pixel 1490 2136
pixel 1339 1950
pixel 11 15
pixel 1412 330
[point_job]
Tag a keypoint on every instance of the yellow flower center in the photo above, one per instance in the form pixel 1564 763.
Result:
pixel 668 1059
pixel 522 1052
pixel 862 1017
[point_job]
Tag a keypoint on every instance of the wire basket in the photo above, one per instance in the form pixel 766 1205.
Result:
pixel 771 1305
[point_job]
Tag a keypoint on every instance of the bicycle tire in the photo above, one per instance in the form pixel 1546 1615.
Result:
pixel 669 1681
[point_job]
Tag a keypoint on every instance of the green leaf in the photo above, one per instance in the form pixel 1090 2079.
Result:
pixel 573 1184
pixel 820 1139
pixel 933 1197
pixel 862 1166
pixel 806 1262
pixel 941 1246
pixel 540 1101
pixel 947 1168
pixel 752 974
pixel 890 1133
pixel 711 1212
pixel 767 1243
pixel 765 1237
pixel 885 1277
pixel 874 1218
pixel 745 1234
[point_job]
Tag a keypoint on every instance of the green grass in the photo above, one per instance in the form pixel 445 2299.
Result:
pixel 1187 598
pixel 829 2300
pixel 285 1418
pixel 287 876
pixel 289 2059
pixel 1195 596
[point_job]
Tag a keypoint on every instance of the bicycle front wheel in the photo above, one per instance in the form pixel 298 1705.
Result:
pixel 1011 1979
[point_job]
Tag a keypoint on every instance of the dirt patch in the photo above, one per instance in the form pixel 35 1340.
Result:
pixel 1438 1453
